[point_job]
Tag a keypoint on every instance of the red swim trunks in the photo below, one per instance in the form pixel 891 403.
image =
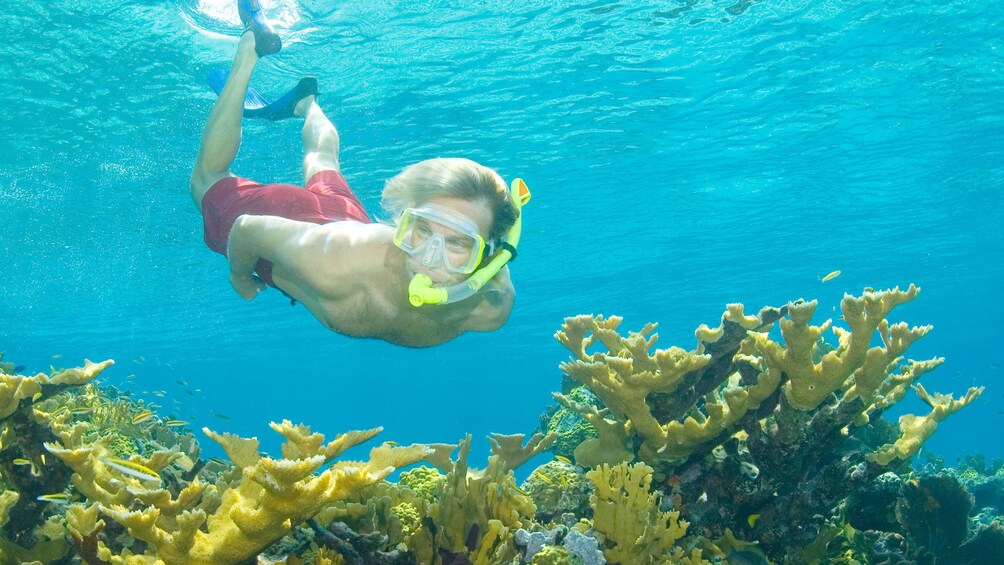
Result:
pixel 327 198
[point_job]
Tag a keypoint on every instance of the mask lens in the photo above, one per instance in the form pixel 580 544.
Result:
pixel 440 238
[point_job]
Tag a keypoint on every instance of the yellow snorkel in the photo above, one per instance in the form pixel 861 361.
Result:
pixel 421 291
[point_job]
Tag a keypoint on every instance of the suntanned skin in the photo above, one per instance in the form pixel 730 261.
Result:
pixel 349 275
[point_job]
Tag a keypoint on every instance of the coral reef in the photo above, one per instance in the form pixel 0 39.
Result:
pixel 748 433
pixel 765 443
pixel 156 496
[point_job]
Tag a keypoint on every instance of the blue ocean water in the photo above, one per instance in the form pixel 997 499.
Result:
pixel 682 155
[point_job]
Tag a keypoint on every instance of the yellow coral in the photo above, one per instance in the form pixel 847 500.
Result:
pixel 626 374
pixel 915 430
pixel 486 502
pixel 270 496
pixel 8 499
pixel 809 382
pixel 15 388
pixel 627 514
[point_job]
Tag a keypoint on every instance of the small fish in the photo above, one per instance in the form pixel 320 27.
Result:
pixel 41 457
pixel 160 393
pixel 544 477
pixel 132 469
pixel 21 461
pixel 831 276
pixel 57 356
pixel 217 460
pixel 36 396
pixel 19 368
pixel 391 443
pixel 133 376
pixel 175 423
pixel 563 459
pixel 519 490
pixel 142 417
pixel 58 498
pixel 81 410
pixel 751 519
pixel 181 382
pixel 219 415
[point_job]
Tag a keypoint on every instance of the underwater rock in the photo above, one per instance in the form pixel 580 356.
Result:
pixel 569 427
pixel 873 507
pixel 557 488
pixel 985 548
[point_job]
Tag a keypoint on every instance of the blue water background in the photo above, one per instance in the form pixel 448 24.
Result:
pixel 682 156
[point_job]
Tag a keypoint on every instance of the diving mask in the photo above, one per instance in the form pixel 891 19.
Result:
pixel 440 238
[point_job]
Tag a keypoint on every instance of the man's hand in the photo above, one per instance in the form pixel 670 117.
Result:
pixel 247 285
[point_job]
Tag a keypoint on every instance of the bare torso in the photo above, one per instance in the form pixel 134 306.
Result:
pixel 353 279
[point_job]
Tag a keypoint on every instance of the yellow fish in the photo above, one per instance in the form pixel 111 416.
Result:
pixel 21 461
pixel 142 417
pixel 831 276
pixel 563 459
pixel 751 519
pixel 544 477
pixel 175 423
pixel 132 469
pixel 59 498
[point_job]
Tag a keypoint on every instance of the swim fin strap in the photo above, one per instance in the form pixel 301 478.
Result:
pixel 259 107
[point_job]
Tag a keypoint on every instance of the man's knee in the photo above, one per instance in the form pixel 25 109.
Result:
pixel 316 162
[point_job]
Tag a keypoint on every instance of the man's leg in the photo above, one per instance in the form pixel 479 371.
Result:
pixel 320 139
pixel 222 135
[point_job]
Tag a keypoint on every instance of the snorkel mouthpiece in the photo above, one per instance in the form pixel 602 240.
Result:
pixel 420 289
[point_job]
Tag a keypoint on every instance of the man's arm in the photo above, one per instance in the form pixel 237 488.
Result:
pixel 286 243
pixel 493 311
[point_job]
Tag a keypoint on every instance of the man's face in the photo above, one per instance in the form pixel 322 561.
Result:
pixel 442 247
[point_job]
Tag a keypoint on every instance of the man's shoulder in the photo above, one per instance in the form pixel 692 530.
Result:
pixel 357 233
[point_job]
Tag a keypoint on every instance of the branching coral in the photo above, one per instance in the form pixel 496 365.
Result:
pixel 23 430
pixel 627 514
pixel 634 386
pixel 745 425
pixel 270 496
pixel 463 516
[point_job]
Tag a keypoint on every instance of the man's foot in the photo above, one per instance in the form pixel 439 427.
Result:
pixel 265 39
pixel 285 106
pixel 258 106
pixel 303 106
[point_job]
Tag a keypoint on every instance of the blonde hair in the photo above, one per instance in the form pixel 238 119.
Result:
pixel 461 178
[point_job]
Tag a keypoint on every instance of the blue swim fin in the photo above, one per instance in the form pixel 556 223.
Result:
pixel 257 106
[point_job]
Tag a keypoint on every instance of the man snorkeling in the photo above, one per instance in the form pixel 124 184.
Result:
pixel 439 272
